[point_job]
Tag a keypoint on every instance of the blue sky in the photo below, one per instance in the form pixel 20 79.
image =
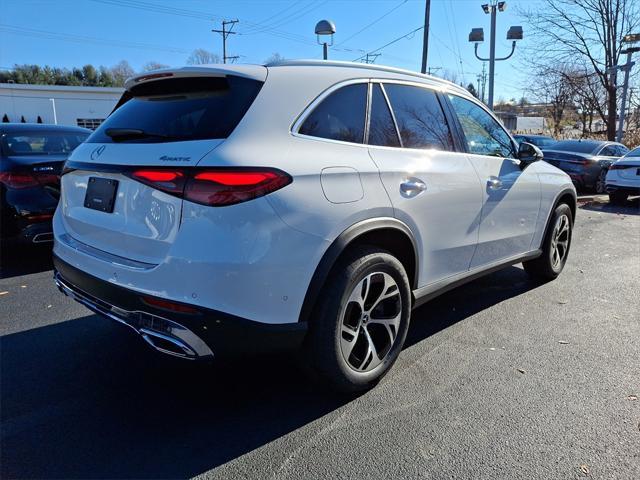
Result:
pixel 70 33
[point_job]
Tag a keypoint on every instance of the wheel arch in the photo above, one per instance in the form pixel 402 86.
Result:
pixel 567 196
pixel 388 233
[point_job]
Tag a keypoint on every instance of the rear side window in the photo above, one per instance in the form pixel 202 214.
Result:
pixel 178 109
pixel 483 134
pixel 340 116
pixel 420 117
pixel 382 130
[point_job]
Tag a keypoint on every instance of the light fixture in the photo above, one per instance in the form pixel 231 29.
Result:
pixel 476 35
pixel 323 28
pixel 502 6
pixel 515 33
pixel 486 8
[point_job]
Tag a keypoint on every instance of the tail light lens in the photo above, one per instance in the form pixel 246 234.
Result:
pixel 216 187
pixel 18 180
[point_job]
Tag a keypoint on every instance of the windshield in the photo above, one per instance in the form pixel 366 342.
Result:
pixel 41 143
pixel 179 109
pixel 576 146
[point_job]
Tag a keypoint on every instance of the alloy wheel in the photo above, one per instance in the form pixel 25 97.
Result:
pixel 370 321
pixel 601 182
pixel 560 241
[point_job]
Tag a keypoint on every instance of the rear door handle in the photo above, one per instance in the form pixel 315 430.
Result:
pixel 494 183
pixel 412 187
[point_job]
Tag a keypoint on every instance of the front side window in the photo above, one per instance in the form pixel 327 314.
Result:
pixel 340 116
pixel 420 118
pixel 608 151
pixel 382 130
pixel 483 134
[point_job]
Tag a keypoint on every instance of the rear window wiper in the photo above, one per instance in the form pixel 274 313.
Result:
pixel 121 134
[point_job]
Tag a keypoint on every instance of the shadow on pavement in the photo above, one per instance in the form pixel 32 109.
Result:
pixel 86 399
pixel 630 207
pixel 17 260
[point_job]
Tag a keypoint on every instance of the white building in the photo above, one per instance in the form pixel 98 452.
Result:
pixel 65 105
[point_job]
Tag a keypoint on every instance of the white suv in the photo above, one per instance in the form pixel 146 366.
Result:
pixel 308 204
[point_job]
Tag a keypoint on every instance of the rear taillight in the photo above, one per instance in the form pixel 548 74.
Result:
pixel 18 180
pixel 216 187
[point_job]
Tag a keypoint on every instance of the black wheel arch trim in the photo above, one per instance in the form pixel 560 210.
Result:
pixel 556 202
pixel 339 245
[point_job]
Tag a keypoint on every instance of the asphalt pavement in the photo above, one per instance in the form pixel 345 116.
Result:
pixel 500 378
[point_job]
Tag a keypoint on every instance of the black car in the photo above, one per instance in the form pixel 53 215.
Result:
pixel 31 160
pixel 586 161
pixel 540 141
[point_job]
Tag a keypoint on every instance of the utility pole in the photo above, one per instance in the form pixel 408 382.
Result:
pixel 425 38
pixel 482 81
pixel 371 57
pixel 623 103
pixel 225 33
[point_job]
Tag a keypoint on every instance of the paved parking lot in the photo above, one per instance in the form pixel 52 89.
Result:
pixel 501 378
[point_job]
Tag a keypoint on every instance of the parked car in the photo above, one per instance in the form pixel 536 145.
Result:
pixel 308 204
pixel 32 157
pixel 586 161
pixel 540 141
pixel 623 178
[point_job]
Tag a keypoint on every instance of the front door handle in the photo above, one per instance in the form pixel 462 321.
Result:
pixel 494 183
pixel 412 187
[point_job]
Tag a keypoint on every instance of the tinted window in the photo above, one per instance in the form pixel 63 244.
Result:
pixel 609 151
pixel 41 143
pixel 340 116
pixel 542 142
pixel 621 150
pixel 578 146
pixel 420 118
pixel 181 109
pixel 634 153
pixel 483 134
pixel 382 130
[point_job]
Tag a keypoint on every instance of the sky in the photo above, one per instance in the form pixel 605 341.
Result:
pixel 68 33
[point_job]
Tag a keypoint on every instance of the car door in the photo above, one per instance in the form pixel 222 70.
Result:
pixel 511 195
pixel 432 185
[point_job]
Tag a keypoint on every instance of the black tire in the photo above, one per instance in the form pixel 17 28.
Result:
pixel 600 186
pixel 324 348
pixel 545 267
pixel 618 198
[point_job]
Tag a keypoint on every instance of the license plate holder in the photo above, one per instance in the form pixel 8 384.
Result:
pixel 101 194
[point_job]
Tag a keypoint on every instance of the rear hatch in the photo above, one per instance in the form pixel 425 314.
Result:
pixel 122 190
pixel 628 168
pixel 569 162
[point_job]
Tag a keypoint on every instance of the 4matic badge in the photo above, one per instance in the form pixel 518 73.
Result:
pixel 167 158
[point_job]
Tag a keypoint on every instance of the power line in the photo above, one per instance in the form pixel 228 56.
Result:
pixel 391 42
pixel 81 39
pixel 373 23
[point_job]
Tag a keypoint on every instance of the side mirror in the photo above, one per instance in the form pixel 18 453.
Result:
pixel 529 153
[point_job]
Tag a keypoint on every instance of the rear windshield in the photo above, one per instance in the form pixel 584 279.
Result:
pixel 41 143
pixel 179 109
pixel 575 146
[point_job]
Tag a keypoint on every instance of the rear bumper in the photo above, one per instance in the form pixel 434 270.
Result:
pixel 193 336
pixel 611 188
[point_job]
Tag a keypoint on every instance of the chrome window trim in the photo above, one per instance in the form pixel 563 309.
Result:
pixel 393 116
pixel 300 119
pixel 514 144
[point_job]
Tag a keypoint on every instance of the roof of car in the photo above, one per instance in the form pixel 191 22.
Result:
pixel 259 72
pixel 44 127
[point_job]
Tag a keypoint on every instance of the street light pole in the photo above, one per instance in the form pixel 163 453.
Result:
pixel 492 54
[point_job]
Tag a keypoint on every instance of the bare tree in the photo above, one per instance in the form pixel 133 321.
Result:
pixel 554 87
pixel 274 58
pixel 201 56
pixel 153 66
pixel 121 71
pixel 588 31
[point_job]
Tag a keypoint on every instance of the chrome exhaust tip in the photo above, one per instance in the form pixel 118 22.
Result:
pixel 42 238
pixel 164 335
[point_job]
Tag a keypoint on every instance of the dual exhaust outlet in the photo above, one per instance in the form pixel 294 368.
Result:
pixel 164 335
